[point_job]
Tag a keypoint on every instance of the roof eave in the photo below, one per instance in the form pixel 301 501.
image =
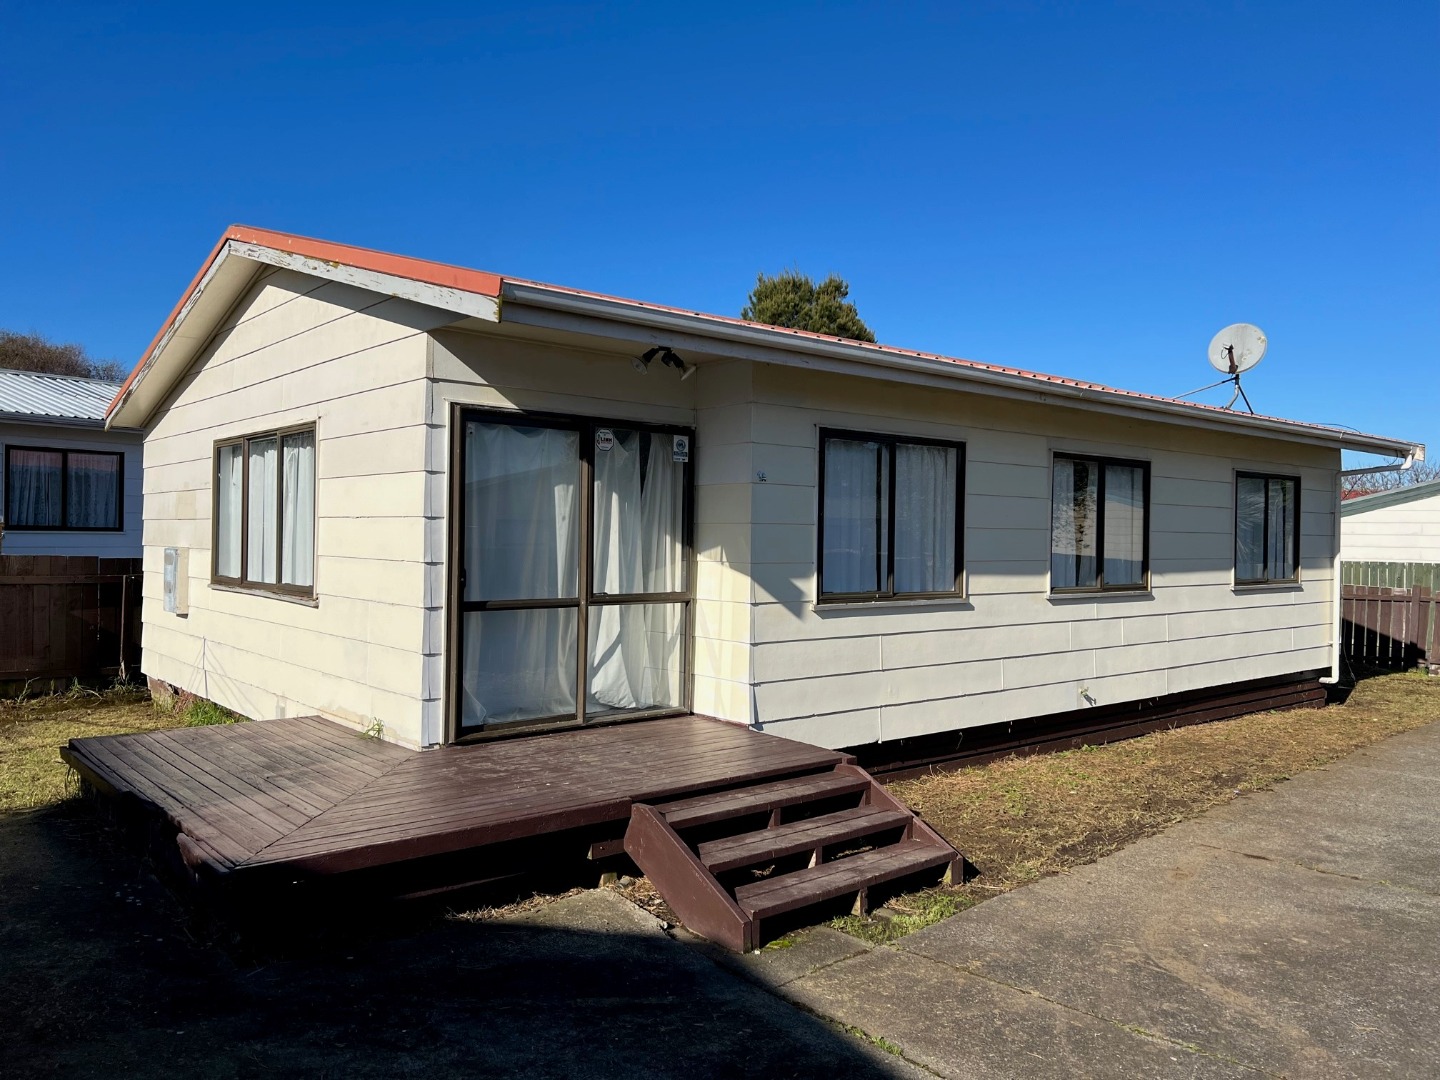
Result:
pixel 778 345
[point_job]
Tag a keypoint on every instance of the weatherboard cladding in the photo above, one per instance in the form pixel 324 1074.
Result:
pixel 55 397
pixel 1397 497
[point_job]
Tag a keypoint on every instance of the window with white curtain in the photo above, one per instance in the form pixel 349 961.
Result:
pixel 1267 533
pixel 1098 517
pixel 79 490
pixel 889 516
pixel 264 511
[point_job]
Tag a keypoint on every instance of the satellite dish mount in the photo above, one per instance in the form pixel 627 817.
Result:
pixel 1234 351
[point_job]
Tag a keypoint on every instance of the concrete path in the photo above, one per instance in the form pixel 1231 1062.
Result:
pixel 1291 933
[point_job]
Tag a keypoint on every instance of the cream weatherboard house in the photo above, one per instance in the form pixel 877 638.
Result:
pixel 445 504
pixel 1399 526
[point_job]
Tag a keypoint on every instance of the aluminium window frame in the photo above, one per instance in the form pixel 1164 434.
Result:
pixel 1294 579
pixel 65 452
pixel 585 599
pixel 1100 587
pixel 886 574
pixel 263 588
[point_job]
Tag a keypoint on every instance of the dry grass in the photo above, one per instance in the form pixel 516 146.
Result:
pixel 33 730
pixel 1022 818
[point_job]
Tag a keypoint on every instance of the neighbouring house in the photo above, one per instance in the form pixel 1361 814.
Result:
pixel 446 504
pixel 68 484
pixel 1399 526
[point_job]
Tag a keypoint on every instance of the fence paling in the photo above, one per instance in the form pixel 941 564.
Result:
pixel 68 617
pixel 1390 627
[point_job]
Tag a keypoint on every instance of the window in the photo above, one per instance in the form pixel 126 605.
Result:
pixel 1267 541
pixel 889 517
pixel 1099 524
pixel 264 512
pixel 64 489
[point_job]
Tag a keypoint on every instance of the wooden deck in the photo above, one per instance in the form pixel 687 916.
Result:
pixel 306 798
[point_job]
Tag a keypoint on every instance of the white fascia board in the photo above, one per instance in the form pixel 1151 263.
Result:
pixel 472 305
pixel 535 306
pixel 222 286
pixel 224 282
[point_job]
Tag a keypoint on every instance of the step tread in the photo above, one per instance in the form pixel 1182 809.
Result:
pixel 704 809
pixel 786 892
pixel 748 849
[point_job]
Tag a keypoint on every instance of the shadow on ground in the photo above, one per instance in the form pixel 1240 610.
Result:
pixel 107 974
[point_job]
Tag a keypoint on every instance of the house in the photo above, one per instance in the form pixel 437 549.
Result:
pixel 1399 526
pixel 68 484
pixel 447 505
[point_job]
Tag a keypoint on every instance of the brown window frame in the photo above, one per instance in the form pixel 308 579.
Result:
pixel 273 588
pixel 1100 586
pixel 65 453
pixel 886 574
pixel 1293 579
pixel 585 599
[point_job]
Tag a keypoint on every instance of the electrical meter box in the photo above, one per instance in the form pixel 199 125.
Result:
pixel 177 581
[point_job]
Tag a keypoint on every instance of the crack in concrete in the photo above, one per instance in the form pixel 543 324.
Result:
pixel 1132 1029
pixel 1398 885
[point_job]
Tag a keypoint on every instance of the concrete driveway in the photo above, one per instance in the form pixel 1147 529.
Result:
pixel 1293 933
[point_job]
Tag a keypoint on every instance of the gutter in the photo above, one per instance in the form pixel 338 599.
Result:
pixel 1415 454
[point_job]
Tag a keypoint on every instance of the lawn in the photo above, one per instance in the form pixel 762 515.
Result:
pixel 32 730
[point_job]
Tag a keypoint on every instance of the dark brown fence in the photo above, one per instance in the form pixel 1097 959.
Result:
pixel 68 617
pixel 1391 628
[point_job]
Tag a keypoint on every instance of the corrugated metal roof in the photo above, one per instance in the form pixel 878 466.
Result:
pixel 61 397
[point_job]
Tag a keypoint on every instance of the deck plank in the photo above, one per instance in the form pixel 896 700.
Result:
pixel 309 794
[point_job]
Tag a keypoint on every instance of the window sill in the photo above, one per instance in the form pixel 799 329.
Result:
pixel 289 598
pixel 820 607
pixel 1089 596
pixel 1268 586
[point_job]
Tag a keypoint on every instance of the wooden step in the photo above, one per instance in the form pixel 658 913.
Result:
pixel 786 892
pixel 764 845
pixel 704 809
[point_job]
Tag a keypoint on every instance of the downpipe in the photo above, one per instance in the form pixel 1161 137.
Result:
pixel 1415 454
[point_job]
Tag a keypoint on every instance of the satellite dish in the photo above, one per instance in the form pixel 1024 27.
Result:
pixel 1237 348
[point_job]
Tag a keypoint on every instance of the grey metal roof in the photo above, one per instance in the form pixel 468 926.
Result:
pixel 33 395
pixel 1394 497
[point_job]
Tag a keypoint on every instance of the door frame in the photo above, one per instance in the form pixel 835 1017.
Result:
pixel 455 603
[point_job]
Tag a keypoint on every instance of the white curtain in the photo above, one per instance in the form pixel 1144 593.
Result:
pixel 1250 528
pixel 519 665
pixel 924 518
pixel 521 512
pixel 856 505
pixel 93 490
pixel 1124 525
pixel 634 649
pixel 229 485
pixel 260 539
pixel 522 501
pixel 32 488
pixel 1280 563
pixel 297 542
pixel 1073 524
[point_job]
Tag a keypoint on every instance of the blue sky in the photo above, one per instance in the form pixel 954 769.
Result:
pixel 1090 189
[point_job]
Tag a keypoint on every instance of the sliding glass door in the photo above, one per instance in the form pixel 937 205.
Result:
pixel 573 571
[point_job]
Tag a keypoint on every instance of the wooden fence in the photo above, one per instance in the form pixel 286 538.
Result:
pixel 1391 575
pixel 66 617
pixel 1391 628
